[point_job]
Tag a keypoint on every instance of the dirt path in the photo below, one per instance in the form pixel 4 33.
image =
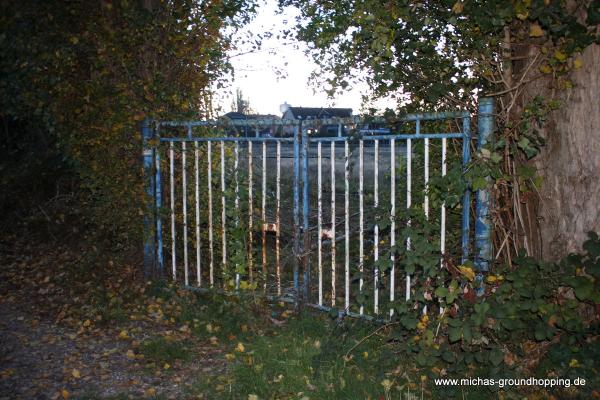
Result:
pixel 47 353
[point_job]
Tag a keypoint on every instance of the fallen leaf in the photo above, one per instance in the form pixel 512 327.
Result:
pixel 76 373
pixel 458 7
pixel 536 31
pixel 130 354
pixel 240 347
pixel 65 394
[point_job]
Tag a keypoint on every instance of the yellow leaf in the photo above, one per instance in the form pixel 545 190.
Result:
pixel 387 384
pixel 491 278
pixel 229 356
pixel 130 354
pixel 458 7
pixel 123 335
pixel 252 397
pixel 365 355
pixel 151 392
pixel 467 272
pixel 573 363
pixel 166 366
pixel 535 31
pixel 87 323
pixel 240 347
pixel 545 69
pixel 65 394
pixel 577 63
pixel 560 56
pixel 76 373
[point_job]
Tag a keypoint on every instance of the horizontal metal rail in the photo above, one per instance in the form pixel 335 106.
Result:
pixel 312 122
pixel 318 139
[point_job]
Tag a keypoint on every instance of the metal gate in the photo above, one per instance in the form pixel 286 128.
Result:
pixel 254 205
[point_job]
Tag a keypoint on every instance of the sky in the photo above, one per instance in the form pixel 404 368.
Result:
pixel 280 71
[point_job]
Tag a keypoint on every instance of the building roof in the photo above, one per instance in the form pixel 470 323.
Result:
pixel 234 115
pixel 320 112
pixel 262 116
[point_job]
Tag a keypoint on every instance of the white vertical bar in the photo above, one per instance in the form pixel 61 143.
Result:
pixel 236 161
pixel 408 199
pixel 250 211
pixel 332 224
pixel 320 221
pixel 172 187
pixel 392 221
pixel 197 190
pixel 426 202
pixel 376 230
pixel 347 225
pixel 263 214
pixel 361 223
pixel 184 208
pixel 223 213
pixel 443 216
pixel 210 214
pixel 278 219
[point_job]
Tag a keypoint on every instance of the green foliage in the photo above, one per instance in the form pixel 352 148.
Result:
pixel 426 51
pixel 162 350
pixel 442 54
pixel 495 333
pixel 93 70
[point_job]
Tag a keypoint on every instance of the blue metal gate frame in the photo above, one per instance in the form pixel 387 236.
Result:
pixel 151 138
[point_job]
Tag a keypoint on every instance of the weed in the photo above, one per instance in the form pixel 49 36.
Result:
pixel 163 350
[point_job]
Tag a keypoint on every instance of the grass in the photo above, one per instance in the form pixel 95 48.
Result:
pixel 162 350
pixel 305 358
pixel 269 351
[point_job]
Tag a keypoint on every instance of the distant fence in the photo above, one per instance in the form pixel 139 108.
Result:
pixel 263 213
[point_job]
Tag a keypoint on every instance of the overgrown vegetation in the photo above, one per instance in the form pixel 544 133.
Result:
pixel 445 54
pixel 84 75
pixel 515 330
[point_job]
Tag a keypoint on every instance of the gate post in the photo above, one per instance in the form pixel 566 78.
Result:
pixel 296 184
pixel 483 223
pixel 149 200
pixel 305 208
